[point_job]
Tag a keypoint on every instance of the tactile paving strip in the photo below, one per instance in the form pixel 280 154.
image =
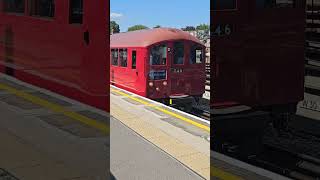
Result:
pixel 189 129
pixel 18 102
pixel 95 116
pixel 132 101
pixel 5 175
pixel 51 99
pixel 71 126
pixel 15 85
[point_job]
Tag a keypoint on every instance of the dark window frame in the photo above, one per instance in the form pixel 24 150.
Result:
pixel 175 62
pixel 134 59
pixel 217 7
pixel 16 10
pixel 76 18
pixel 123 57
pixel 36 10
pixel 162 61
pixel 113 58
pixel 193 54
pixel 274 4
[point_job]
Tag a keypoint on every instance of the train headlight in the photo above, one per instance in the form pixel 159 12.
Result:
pixel 158 89
pixel 151 84
pixel 165 83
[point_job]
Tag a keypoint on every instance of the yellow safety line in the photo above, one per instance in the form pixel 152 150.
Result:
pixel 223 175
pixel 164 111
pixel 56 108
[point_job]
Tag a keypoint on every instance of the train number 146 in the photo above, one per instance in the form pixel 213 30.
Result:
pixel 222 30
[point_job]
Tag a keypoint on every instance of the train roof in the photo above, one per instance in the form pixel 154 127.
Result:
pixel 145 38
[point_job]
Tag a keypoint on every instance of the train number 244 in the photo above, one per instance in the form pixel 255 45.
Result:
pixel 222 30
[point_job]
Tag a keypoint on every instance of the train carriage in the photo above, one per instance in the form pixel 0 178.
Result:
pixel 59 45
pixel 160 64
pixel 257 61
pixel 258 53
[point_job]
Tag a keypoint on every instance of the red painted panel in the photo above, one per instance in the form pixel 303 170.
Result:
pixel 262 62
pixel 133 80
pixel 51 53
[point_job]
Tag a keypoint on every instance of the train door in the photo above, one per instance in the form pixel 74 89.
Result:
pixel 96 64
pixel 133 72
pixel 177 61
pixel 279 46
pixel 86 22
pixel 227 20
pixel 195 74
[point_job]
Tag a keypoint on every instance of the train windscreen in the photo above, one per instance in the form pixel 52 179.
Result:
pixel 158 55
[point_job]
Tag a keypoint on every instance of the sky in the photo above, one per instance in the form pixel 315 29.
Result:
pixel 166 13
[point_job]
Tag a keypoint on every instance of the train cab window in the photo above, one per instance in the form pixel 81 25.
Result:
pixel 76 12
pixel 275 3
pixel 224 4
pixel 178 53
pixel 158 55
pixel 123 57
pixel 42 8
pixel 13 6
pixel 196 55
pixel 134 59
pixel 114 57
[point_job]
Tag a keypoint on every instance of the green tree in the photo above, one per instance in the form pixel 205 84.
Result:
pixel 204 27
pixel 137 27
pixel 203 32
pixel 157 26
pixel 114 27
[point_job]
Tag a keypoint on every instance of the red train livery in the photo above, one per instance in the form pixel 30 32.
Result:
pixel 258 53
pixel 60 45
pixel 159 63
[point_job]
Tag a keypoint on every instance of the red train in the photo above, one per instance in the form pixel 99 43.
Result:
pixel 258 53
pixel 161 63
pixel 258 61
pixel 58 45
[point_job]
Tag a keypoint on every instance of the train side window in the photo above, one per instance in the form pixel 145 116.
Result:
pixel 42 8
pixel 123 57
pixel 178 53
pixel 14 6
pixel 114 57
pixel 76 12
pixel 196 55
pixel 158 55
pixel 134 59
pixel 275 3
pixel 224 4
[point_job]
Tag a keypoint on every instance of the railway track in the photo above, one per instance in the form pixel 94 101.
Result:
pixel 200 110
pixel 295 154
pixel 292 165
pixel 299 152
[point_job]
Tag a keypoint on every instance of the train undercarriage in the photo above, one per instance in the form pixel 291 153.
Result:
pixel 240 134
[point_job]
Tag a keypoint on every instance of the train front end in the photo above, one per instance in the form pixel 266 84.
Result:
pixel 176 72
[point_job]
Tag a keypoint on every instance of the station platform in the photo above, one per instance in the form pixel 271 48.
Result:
pixel 46 136
pixel 181 136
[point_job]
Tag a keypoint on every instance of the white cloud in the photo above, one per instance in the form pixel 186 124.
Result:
pixel 115 15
